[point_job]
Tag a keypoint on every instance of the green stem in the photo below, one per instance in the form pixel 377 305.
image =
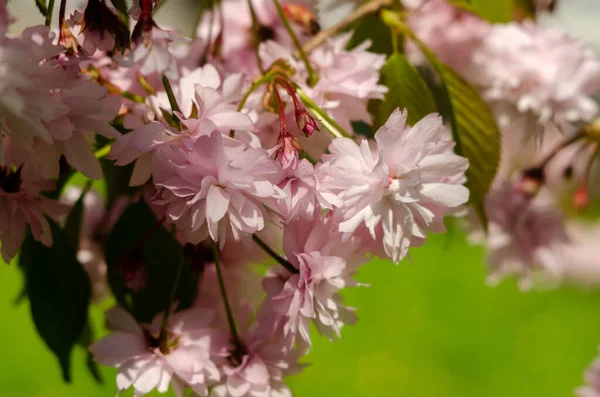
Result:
pixel 289 267
pixel 170 94
pixel 332 126
pixel 230 320
pixel 49 12
pixel 41 5
pixel 266 78
pixel 163 338
pixel 312 76
pixel 133 97
pixel 256 39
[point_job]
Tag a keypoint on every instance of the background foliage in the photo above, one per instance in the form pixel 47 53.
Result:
pixel 428 327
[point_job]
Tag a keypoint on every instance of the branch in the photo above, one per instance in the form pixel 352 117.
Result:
pixel 365 9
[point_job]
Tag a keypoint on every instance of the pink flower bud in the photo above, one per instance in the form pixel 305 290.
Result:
pixel 302 16
pixel 531 181
pixel 581 198
pixel 287 150
pixel 305 122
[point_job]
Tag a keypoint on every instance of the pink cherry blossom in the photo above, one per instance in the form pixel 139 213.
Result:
pixel 262 369
pixel 87 108
pixel 304 193
pixel 133 349
pixel 21 204
pixel 525 236
pixel 592 379
pixel 347 78
pixel 220 188
pixel 313 247
pixel 232 36
pixel 214 102
pixel 405 184
pixel 90 40
pixel 453 34
pixel 152 54
pixel 509 73
pixel 25 82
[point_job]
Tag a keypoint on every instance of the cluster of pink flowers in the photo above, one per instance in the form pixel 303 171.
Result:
pixel 229 162
pixel 243 144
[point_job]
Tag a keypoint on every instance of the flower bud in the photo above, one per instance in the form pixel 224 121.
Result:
pixel 67 39
pixel 581 198
pixel 531 181
pixel 99 19
pixel 287 150
pixel 303 17
pixel 305 121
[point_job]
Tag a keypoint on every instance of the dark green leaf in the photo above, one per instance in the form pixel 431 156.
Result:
pixel 138 240
pixel 476 133
pixel 473 126
pixel 116 179
pixel 121 6
pixel 362 128
pixel 87 337
pixel 371 28
pixel 406 89
pixel 58 289
pixel 496 11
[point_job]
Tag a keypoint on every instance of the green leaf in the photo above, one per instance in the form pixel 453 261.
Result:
pixel 87 338
pixel 476 133
pixel 58 289
pixel 406 89
pixel 121 6
pixel 496 11
pixel 371 28
pixel 116 180
pixel 139 240
pixel 473 125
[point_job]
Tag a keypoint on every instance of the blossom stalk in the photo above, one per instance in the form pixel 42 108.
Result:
pixel 367 8
pixel 312 75
pixel 235 338
pixel 332 126
pixel 282 261
pixel 163 337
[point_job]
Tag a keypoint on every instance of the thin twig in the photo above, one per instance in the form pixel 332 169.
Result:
pixel 312 75
pixel 274 255
pixel 237 343
pixel 367 8
pixel 163 337
pixel 330 124
pixel 61 14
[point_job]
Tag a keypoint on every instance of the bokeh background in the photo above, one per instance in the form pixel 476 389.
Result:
pixel 428 327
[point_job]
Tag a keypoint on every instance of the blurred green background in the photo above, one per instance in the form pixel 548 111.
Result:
pixel 428 327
